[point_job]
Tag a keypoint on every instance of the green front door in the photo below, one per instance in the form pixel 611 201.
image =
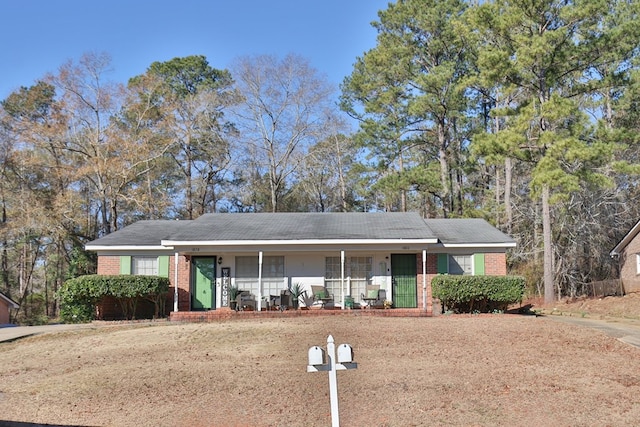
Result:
pixel 203 279
pixel 405 283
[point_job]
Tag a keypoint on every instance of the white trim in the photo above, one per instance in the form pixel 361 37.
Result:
pixel 175 284
pixel 10 302
pixel 126 248
pixel 319 242
pixel 479 245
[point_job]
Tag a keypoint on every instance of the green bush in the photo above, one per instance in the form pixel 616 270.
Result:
pixel 467 294
pixel 79 296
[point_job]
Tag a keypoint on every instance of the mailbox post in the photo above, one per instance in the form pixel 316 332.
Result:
pixel 319 360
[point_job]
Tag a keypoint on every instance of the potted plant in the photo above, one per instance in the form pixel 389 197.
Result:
pixel 233 295
pixel 297 291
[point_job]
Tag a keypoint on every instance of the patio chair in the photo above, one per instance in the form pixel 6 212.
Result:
pixel 320 294
pixel 285 300
pixel 374 296
pixel 245 301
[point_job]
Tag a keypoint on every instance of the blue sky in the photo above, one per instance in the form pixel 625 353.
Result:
pixel 38 36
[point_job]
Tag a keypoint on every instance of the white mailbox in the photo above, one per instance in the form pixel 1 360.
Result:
pixel 317 356
pixel 345 353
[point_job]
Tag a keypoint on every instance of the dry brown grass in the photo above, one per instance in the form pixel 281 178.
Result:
pixel 490 370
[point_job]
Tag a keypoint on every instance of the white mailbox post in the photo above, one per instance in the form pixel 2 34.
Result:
pixel 318 362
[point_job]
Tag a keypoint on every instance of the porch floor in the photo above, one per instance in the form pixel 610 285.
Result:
pixel 228 314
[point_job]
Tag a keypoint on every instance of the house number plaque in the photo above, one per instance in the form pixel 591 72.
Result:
pixel 226 273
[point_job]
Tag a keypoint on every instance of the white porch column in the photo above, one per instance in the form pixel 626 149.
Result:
pixel 424 279
pixel 342 278
pixel 260 281
pixel 175 282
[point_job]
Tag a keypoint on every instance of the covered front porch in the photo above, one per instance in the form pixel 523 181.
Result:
pixel 347 277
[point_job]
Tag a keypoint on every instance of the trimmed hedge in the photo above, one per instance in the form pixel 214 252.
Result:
pixel 468 294
pixel 79 296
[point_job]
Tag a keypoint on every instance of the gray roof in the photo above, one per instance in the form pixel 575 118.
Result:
pixel 305 226
pixel 141 233
pixel 467 231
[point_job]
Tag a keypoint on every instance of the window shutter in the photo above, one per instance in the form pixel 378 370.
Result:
pixel 443 263
pixel 163 266
pixel 125 264
pixel 478 264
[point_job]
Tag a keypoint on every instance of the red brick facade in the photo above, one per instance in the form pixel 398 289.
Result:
pixel 629 267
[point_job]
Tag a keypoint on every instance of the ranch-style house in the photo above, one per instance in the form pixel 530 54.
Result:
pixel 345 254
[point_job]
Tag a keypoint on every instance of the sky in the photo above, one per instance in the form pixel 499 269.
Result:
pixel 38 36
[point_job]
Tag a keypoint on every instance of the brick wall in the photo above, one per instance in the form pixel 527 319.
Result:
pixel 628 269
pixel 4 312
pixel 495 264
pixel 108 265
pixel 184 269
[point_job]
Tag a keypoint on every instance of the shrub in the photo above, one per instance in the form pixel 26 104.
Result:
pixel 467 294
pixel 79 296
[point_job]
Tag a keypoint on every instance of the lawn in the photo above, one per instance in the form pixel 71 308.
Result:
pixel 488 370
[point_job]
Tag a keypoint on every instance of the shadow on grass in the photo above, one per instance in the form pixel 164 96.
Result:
pixel 4 423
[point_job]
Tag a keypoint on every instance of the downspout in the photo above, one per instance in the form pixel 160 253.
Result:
pixel 424 279
pixel 342 278
pixel 175 282
pixel 260 281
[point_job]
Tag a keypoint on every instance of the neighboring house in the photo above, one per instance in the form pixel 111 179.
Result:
pixel 627 252
pixel 6 304
pixel 267 252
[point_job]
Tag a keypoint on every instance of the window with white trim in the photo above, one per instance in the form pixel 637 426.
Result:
pixel 358 271
pixel 461 264
pixel 637 263
pixel 272 274
pixel 144 266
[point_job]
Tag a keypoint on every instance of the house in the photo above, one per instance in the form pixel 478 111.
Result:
pixel 627 252
pixel 6 304
pixel 265 253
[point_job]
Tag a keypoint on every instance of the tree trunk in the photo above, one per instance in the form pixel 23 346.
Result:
pixel 549 292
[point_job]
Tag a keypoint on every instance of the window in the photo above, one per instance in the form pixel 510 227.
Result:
pixel 144 266
pixel 637 263
pixel 460 264
pixel 358 269
pixel 272 274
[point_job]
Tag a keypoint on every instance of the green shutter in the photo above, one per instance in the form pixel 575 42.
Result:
pixel 443 263
pixel 163 266
pixel 478 264
pixel 125 264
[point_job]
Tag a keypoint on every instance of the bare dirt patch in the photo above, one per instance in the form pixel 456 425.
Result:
pixel 488 370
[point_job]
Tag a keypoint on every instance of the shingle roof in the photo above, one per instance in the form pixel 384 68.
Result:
pixel 305 226
pixel 467 231
pixel 141 233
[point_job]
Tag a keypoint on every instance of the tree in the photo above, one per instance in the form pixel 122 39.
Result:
pixel 188 98
pixel 543 54
pixel 411 91
pixel 282 114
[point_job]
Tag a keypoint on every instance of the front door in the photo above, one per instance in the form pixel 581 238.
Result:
pixel 203 279
pixel 405 283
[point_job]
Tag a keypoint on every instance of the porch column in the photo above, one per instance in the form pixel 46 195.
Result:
pixel 342 278
pixel 260 281
pixel 175 282
pixel 424 279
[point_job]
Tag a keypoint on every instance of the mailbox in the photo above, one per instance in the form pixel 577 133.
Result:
pixel 345 353
pixel 317 356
